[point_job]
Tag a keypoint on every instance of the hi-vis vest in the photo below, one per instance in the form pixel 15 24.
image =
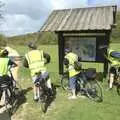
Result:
pixel 36 61
pixel 72 58
pixel 4 66
pixel 112 60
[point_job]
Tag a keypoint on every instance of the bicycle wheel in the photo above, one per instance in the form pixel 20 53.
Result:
pixel 43 103
pixel 8 100
pixel 118 89
pixel 94 91
pixel 118 85
pixel 65 82
pixel 42 99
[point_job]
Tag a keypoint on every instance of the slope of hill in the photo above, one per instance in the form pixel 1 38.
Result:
pixel 42 38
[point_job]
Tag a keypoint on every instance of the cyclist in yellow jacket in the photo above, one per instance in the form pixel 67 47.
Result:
pixel 114 66
pixel 15 56
pixel 72 58
pixel 35 61
pixel 5 63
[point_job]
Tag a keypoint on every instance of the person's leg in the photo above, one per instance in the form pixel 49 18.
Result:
pixel 112 74
pixel 49 83
pixel 72 81
pixel 46 76
pixel 35 89
pixel 15 70
pixel 73 93
pixel 15 73
pixel 35 93
pixel 118 79
pixel 111 80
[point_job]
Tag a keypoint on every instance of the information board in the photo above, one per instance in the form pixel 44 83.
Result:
pixel 84 47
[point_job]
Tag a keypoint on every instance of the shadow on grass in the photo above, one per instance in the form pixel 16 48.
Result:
pixel 4 116
pixel 20 98
pixel 57 85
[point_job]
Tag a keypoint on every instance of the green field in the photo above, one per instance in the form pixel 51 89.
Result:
pixel 62 108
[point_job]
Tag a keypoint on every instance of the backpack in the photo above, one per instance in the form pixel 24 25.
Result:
pixel 47 57
pixel 77 65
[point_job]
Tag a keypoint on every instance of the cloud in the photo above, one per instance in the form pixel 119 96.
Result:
pixel 23 16
pixel 19 24
pixel 62 4
pixel 33 8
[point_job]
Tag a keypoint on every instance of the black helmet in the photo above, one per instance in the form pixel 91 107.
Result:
pixel 32 45
pixel 67 50
pixel 3 52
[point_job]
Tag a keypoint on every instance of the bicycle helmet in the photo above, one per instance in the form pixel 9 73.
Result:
pixel 3 52
pixel 67 50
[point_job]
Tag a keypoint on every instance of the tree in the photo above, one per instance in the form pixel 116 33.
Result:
pixel 2 37
pixel 1 6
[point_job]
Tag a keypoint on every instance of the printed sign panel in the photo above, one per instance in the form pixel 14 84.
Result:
pixel 84 47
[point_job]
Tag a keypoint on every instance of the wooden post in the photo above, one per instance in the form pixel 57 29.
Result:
pixel 60 51
pixel 105 66
pixel 106 42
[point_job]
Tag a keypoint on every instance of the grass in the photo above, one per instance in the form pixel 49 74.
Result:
pixel 62 108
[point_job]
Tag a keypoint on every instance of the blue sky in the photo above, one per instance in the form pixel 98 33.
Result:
pixel 26 16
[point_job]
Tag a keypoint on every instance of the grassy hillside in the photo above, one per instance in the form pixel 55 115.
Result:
pixel 41 38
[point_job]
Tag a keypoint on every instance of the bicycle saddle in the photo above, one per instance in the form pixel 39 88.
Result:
pixel 115 54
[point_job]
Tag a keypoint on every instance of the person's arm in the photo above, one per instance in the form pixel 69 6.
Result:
pixel 11 63
pixel 79 58
pixel 25 63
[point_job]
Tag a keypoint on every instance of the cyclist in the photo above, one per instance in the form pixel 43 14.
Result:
pixel 69 60
pixel 35 60
pixel 112 71
pixel 14 55
pixel 5 63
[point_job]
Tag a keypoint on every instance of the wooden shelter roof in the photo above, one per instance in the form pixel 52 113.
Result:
pixel 77 19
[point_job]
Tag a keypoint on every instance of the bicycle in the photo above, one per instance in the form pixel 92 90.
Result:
pixel 10 90
pixel 44 92
pixel 86 84
pixel 116 56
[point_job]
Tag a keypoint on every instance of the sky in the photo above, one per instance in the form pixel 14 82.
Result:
pixel 27 16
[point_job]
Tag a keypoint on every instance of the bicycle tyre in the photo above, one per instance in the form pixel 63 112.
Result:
pixel 118 89
pixel 94 91
pixel 43 102
pixel 65 82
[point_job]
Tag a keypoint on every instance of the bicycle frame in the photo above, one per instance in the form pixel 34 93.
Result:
pixel 86 87
pixel 8 88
